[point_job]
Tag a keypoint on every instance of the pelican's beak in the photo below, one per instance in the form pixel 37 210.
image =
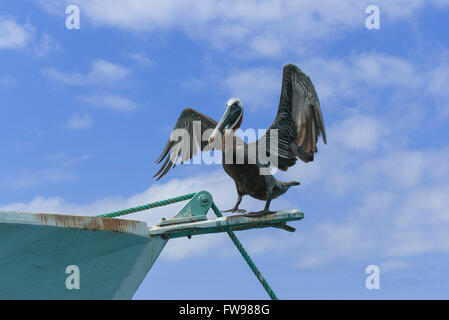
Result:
pixel 214 135
pixel 229 120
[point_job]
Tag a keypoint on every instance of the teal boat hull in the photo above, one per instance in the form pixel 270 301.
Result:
pixel 113 256
pixel 51 256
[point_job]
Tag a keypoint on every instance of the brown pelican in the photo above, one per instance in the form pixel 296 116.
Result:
pixel 298 125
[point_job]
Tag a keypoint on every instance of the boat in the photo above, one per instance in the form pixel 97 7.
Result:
pixel 56 256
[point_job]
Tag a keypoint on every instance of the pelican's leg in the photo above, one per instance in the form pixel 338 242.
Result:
pixel 236 207
pixel 265 211
pixel 269 195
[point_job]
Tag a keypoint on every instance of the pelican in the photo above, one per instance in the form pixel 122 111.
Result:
pixel 298 124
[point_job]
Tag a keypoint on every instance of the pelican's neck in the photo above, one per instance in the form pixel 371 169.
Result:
pixel 239 122
pixel 227 136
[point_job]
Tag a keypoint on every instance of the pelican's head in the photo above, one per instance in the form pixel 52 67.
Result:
pixel 231 119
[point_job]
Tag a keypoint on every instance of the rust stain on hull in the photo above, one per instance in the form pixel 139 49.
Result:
pixel 90 223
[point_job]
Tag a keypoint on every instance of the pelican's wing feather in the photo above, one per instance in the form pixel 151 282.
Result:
pixel 185 139
pixel 298 122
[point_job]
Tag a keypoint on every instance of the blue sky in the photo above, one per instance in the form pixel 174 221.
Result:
pixel 84 113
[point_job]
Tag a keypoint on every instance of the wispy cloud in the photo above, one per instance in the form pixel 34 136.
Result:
pixel 59 171
pixel 256 87
pixel 362 75
pixel 14 35
pixel 384 205
pixel 101 72
pixel 438 84
pixel 79 121
pixel 29 179
pixel 359 133
pixel 357 83
pixel 44 45
pixel 141 59
pixel 264 28
pixel 112 102
pixel 348 84
pixel 394 265
pixel 385 226
pixel 65 160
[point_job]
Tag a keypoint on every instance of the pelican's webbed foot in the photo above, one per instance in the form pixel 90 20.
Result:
pixel 233 210
pixel 236 207
pixel 259 213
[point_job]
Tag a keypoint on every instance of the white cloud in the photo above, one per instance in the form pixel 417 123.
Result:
pixel 45 45
pixel 53 7
pixel 402 90
pixel 14 35
pixel 79 121
pixel 266 45
pixel 256 87
pixel 394 265
pixel 141 59
pixel 401 227
pixel 112 102
pixel 361 76
pixel 359 133
pixel 25 37
pixel 101 72
pixel 384 70
pixel 406 93
pixel 344 172
pixel 389 205
pixel 265 28
pixel 438 84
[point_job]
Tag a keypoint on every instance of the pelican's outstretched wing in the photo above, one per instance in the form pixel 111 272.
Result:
pixel 299 121
pixel 185 139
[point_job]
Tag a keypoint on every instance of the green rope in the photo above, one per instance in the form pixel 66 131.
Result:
pixel 148 206
pixel 247 258
pixel 218 213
